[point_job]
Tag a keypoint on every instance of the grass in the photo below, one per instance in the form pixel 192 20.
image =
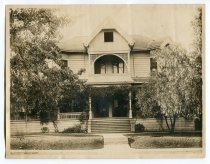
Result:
pixel 164 140
pixel 56 142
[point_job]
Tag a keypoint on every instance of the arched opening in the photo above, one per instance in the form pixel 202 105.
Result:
pixel 109 64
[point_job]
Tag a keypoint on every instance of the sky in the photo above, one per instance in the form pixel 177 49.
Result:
pixel 154 21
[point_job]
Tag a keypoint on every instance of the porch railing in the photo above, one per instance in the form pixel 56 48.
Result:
pixel 61 116
pixel 72 115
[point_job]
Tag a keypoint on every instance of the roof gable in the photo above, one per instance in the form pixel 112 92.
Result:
pixel 135 42
pixel 109 24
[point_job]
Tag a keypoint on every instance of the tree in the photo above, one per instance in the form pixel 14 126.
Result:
pixel 35 87
pixel 196 64
pixel 147 100
pixel 172 83
pixel 196 70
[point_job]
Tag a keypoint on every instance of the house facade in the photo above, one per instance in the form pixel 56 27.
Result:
pixel 110 57
pixel 107 58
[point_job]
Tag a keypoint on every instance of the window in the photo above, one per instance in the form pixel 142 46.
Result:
pixel 108 37
pixel 103 69
pixel 64 64
pixel 121 67
pixel 153 64
pixel 117 67
pixel 109 64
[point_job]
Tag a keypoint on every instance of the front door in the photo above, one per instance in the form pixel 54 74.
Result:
pixel 120 106
pixel 100 106
pixel 110 106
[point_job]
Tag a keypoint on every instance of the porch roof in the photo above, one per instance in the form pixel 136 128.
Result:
pixel 109 79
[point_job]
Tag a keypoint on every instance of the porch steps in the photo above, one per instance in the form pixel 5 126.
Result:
pixel 110 125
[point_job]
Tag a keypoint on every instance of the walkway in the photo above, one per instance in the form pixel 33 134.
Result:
pixel 115 142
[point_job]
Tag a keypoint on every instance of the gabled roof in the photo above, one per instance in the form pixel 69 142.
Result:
pixel 137 42
pixel 109 24
pixel 75 44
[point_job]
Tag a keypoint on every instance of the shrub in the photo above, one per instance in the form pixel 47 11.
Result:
pixel 74 129
pixel 83 117
pixel 198 124
pixel 45 130
pixel 139 128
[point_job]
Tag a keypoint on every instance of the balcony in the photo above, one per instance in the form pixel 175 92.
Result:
pixel 109 79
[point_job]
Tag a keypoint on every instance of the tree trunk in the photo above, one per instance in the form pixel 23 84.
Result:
pixel 166 119
pixel 173 124
pixel 55 126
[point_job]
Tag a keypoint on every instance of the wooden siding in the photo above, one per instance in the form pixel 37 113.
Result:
pixel 18 127
pixel 151 124
pixel 97 45
pixel 140 65
pixel 76 61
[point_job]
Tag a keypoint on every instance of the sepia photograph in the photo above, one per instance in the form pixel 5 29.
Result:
pixel 105 81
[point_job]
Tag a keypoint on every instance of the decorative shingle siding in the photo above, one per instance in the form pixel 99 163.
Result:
pixel 118 45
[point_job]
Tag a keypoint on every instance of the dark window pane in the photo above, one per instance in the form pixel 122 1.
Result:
pixel 108 37
pixel 153 64
pixel 64 64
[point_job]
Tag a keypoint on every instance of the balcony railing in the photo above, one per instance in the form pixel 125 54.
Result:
pixel 67 116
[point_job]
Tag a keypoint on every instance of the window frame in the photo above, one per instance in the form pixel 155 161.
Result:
pixel 108 36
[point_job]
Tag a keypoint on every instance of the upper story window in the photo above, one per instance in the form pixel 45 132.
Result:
pixel 108 36
pixel 153 64
pixel 64 64
pixel 109 64
pixel 118 67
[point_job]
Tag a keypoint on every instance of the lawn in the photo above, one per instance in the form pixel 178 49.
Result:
pixel 56 142
pixel 164 140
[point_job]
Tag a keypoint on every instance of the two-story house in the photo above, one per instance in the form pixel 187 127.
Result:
pixel 109 56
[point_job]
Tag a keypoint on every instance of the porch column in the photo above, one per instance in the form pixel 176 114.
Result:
pixel 58 116
pixel 130 109
pixel 90 109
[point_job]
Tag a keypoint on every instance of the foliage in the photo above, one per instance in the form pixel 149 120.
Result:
pixel 172 83
pixel 45 130
pixel 139 128
pixel 198 123
pixel 145 142
pixel 83 117
pixel 65 141
pixel 147 100
pixel 111 90
pixel 74 129
pixel 36 87
pixel 196 66
pixel 73 94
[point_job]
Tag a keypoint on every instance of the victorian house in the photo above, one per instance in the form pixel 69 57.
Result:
pixel 110 57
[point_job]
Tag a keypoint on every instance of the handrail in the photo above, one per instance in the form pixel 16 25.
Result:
pixel 71 115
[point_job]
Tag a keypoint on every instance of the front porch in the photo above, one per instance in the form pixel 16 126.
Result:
pixel 110 105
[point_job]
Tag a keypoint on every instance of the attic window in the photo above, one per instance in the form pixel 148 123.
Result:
pixel 108 37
